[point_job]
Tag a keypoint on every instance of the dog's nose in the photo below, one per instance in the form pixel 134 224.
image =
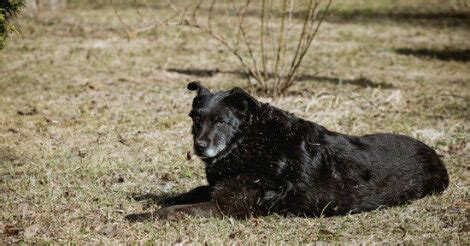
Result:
pixel 201 145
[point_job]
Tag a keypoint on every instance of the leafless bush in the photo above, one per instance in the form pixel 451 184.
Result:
pixel 269 38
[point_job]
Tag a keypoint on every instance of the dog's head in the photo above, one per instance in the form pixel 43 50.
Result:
pixel 218 117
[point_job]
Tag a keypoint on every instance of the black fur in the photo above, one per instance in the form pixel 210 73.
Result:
pixel 275 162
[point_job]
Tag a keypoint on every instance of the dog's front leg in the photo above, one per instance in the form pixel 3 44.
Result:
pixel 203 209
pixel 196 195
pixel 176 212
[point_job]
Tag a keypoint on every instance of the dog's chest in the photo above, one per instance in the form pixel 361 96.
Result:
pixel 228 167
pixel 268 166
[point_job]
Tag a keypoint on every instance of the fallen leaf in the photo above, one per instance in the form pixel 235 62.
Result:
pixel 90 86
pixel 12 130
pixel 167 177
pixel 235 233
pixel 81 153
pixel 326 232
pixel 123 140
pixel 27 111
pixel 11 230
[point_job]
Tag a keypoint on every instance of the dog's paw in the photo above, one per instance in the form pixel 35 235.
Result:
pixel 139 217
pixel 169 213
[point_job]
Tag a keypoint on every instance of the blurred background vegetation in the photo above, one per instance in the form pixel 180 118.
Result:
pixel 8 8
pixel 270 64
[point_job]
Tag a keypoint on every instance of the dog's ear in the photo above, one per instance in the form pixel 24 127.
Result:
pixel 241 100
pixel 196 85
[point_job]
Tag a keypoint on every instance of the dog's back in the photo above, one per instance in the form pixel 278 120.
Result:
pixel 331 173
pixel 301 167
pixel 382 170
pixel 410 160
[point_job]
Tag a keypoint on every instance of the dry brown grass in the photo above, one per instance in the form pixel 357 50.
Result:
pixel 87 119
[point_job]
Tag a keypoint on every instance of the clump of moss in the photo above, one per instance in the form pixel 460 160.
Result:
pixel 8 9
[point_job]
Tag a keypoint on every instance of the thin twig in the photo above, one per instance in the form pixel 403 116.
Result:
pixel 241 22
pixel 209 18
pixel 280 43
pixel 298 48
pixel 129 28
pixel 151 10
pixel 136 8
pixel 196 9
pixel 309 42
pixel 262 38
pixel 257 74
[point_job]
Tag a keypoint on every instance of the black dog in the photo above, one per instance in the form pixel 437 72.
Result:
pixel 261 160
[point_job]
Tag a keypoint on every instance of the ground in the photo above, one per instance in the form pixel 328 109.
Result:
pixel 89 121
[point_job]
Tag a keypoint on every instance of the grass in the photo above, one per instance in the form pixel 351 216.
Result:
pixel 89 119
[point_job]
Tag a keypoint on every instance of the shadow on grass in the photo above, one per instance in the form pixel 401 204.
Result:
pixel 197 72
pixel 438 18
pixel 361 81
pixel 462 55
pixel 450 18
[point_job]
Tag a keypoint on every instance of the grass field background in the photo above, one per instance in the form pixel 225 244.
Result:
pixel 89 120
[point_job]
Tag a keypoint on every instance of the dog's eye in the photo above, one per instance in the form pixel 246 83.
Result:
pixel 196 117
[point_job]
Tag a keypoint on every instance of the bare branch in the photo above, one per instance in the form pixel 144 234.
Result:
pixel 257 73
pixel 129 28
pixel 299 47
pixel 268 60
pixel 241 21
pixel 309 42
pixel 196 9
pixel 209 18
pixel 262 37
pixel 173 7
pixel 151 10
pixel 280 41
